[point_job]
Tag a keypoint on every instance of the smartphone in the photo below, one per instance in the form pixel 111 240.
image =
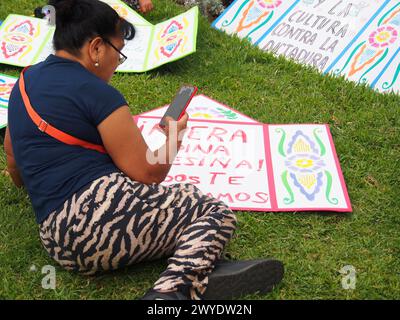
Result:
pixel 178 106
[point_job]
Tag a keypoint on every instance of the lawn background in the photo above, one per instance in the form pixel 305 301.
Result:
pixel 313 246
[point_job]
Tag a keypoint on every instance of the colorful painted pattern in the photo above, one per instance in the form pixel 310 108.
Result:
pixel 252 15
pixel 212 114
pixel 18 39
pixel 172 39
pixel 305 165
pixel 371 53
pixel 383 37
pixel 6 85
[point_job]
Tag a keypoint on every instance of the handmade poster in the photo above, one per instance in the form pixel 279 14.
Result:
pixel 388 79
pixel 3 117
pixel 257 167
pixel 23 40
pixel 6 85
pixel 250 19
pixel 155 45
pixel 27 40
pixel 173 39
pixel 355 38
pixel 374 56
pixel 315 32
pixel 305 168
pixel 223 159
pixel 203 107
pixel 127 13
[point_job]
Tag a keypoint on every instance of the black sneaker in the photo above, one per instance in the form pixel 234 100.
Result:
pixel 155 295
pixel 232 279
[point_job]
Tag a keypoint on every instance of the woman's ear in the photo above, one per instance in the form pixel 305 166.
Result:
pixel 96 51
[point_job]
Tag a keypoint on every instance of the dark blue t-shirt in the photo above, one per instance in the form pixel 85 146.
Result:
pixel 72 99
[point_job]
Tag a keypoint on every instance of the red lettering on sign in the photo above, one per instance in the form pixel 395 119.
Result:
pixel 177 161
pixel 214 176
pixel 180 178
pixel 239 134
pixel 263 196
pixel 244 163
pixel 232 180
pixel 222 196
pixel 192 132
pixel 224 165
pixel 239 196
pixel 190 161
pixel 217 132
pixel 260 164
pixel 195 180
pixel 223 149
pixel 199 148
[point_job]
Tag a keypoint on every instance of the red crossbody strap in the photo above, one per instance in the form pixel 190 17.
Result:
pixel 48 128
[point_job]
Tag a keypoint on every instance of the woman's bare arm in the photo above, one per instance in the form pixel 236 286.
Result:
pixel 125 144
pixel 11 164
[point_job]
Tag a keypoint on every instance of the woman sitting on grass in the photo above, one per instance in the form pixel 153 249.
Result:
pixel 98 201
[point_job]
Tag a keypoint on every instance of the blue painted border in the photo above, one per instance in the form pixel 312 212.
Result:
pixel 223 13
pixel 385 68
pixel 340 56
pixel 277 22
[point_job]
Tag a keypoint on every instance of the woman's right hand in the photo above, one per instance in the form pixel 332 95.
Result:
pixel 181 126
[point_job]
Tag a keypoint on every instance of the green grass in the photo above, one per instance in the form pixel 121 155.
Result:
pixel 313 246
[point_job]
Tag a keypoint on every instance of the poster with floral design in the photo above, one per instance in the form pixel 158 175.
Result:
pixel 23 39
pixel 357 39
pixel 250 19
pixel 254 166
pixel 305 169
pixel 173 39
pixel 375 57
pixel 26 40
pixel 155 45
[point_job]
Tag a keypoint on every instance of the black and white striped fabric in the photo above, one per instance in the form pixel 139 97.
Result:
pixel 116 222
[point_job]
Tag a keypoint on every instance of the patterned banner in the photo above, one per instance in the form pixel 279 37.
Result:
pixel 252 166
pixel 354 38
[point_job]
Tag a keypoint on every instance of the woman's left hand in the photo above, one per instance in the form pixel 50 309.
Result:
pixel 145 6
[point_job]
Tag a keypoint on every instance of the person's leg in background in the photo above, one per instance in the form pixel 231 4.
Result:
pixel 141 6
pixel 134 4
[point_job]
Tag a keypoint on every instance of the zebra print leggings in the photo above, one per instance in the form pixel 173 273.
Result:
pixel 116 222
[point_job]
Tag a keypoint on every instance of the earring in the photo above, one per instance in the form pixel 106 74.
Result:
pixel 96 64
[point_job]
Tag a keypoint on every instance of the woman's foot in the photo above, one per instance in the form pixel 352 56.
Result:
pixel 232 279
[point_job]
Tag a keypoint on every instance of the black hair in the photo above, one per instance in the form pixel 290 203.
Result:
pixel 80 20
